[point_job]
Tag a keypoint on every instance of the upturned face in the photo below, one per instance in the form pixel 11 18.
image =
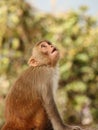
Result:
pixel 47 53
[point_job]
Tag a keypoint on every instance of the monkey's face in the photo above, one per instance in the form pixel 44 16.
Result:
pixel 49 50
pixel 49 53
pixel 44 53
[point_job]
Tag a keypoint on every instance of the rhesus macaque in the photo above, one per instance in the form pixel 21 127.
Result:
pixel 30 103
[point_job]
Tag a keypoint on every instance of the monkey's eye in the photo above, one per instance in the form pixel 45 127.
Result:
pixel 43 46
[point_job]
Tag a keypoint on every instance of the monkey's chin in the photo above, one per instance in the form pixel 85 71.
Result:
pixel 55 58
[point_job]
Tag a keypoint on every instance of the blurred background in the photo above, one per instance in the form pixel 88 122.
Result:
pixel 72 25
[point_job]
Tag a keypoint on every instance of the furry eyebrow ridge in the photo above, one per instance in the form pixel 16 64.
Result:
pixel 49 43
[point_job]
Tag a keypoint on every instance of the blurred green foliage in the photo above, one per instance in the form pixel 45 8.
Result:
pixel 74 33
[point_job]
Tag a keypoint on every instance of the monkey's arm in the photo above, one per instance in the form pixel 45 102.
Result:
pixel 54 116
pixel 51 109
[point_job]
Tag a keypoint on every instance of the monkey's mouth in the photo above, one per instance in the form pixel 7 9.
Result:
pixel 54 49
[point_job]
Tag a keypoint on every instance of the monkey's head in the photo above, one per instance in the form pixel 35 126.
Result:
pixel 44 53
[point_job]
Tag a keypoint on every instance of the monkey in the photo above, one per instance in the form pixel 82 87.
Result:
pixel 30 103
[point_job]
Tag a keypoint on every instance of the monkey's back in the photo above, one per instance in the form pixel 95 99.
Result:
pixel 23 99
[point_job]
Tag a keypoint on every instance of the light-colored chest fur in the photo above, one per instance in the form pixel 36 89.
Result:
pixel 55 80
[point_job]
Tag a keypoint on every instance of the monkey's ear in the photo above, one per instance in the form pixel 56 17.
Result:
pixel 32 62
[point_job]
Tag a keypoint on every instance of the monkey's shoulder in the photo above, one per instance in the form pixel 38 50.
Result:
pixel 40 70
pixel 37 74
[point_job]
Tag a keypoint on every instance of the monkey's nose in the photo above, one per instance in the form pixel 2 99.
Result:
pixel 52 46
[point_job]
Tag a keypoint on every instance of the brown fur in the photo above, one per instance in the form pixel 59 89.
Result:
pixel 30 103
pixel 24 108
